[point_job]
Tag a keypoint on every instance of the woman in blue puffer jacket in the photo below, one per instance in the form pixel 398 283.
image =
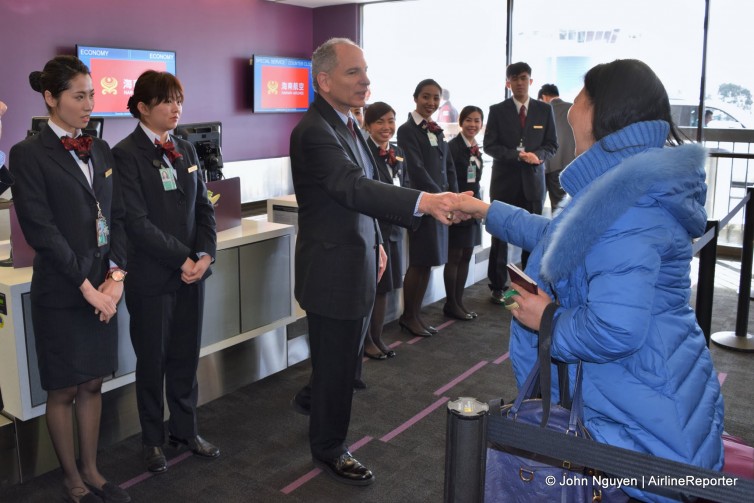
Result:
pixel 617 261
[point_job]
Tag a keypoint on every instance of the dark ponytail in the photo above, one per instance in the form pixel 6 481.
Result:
pixel 57 75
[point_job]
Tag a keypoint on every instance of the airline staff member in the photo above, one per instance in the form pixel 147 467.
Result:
pixel 69 213
pixel 171 229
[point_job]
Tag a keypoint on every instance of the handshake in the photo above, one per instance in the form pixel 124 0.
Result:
pixel 450 208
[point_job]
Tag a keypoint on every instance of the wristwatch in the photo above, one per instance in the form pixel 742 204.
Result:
pixel 116 275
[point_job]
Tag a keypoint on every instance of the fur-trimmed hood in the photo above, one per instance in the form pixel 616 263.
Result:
pixel 671 177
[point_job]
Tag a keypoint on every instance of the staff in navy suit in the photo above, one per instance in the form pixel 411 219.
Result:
pixel 520 137
pixel 379 122
pixel 70 214
pixel 172 241
pixel 464 236
pixel 430 168
pixel 339 257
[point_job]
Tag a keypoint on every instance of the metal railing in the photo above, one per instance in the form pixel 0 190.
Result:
pixel 729 171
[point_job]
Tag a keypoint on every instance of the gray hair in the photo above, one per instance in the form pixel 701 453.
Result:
pixel 325 59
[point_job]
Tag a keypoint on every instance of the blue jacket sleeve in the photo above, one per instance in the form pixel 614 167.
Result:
pixel 515 225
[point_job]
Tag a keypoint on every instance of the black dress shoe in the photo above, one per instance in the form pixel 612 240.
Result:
pixel 154 459
pixel 110 493
pixel 380 356
pixel 359 384
pixel 472 314
pixel 390 354
pixel 198 446
pixel 463 316
pixel 417 333
pixel 496 297
pixel 432 330
pixel 300 407
pixel 79 495
pixel 346 469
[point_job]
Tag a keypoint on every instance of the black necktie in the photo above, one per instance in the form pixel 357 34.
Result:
pixel 522 117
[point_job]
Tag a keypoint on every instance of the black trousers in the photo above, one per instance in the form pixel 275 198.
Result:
pixel 166 333
pixel 554 189
pixel 336 347
pixel 497 272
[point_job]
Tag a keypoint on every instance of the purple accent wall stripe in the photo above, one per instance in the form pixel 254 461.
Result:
pixel 418 417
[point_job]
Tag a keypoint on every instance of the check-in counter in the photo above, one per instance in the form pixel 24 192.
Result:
pixel 249 294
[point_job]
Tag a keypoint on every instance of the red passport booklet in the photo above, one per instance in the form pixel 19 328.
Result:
pixel 519 278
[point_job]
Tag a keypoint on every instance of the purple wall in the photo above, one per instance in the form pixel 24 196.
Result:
pixel 213 40
pixel 337 21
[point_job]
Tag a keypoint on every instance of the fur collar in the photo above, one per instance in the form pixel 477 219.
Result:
pixel 673 177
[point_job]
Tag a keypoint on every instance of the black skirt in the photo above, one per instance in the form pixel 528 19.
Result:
pixel 73 346
pixel 392 278
pixel 467 234
pixel 428 245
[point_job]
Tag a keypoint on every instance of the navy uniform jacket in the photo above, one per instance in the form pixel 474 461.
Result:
pixel 57 210
pixel 164 227
pixel 512 178
pixel 385 174
pixel 429 169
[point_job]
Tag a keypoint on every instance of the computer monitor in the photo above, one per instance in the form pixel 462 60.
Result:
pixel 94 128
pixel 115 71
pixel 207 140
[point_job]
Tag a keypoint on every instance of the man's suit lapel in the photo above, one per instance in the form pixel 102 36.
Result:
pixel 344 135
pixel 370 157
pixel 63 157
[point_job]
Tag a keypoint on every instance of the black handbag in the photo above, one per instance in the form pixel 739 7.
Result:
pixel 514 475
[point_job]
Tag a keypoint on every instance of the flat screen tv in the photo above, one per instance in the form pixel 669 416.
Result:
pixel 94 128
pixel 281 84
pixel 114 73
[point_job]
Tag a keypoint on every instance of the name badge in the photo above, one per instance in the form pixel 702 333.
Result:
pixel 432 139
pixel 108 172
pixel 103 231
pixel 520 147
pixel 471 173
pixel 192 168
pixel 538 127
pixel 168 183
pixel 396 181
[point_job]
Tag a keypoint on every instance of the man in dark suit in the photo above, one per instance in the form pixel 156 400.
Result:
pixel 520 136
pixel 338 253
pixel 566 153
